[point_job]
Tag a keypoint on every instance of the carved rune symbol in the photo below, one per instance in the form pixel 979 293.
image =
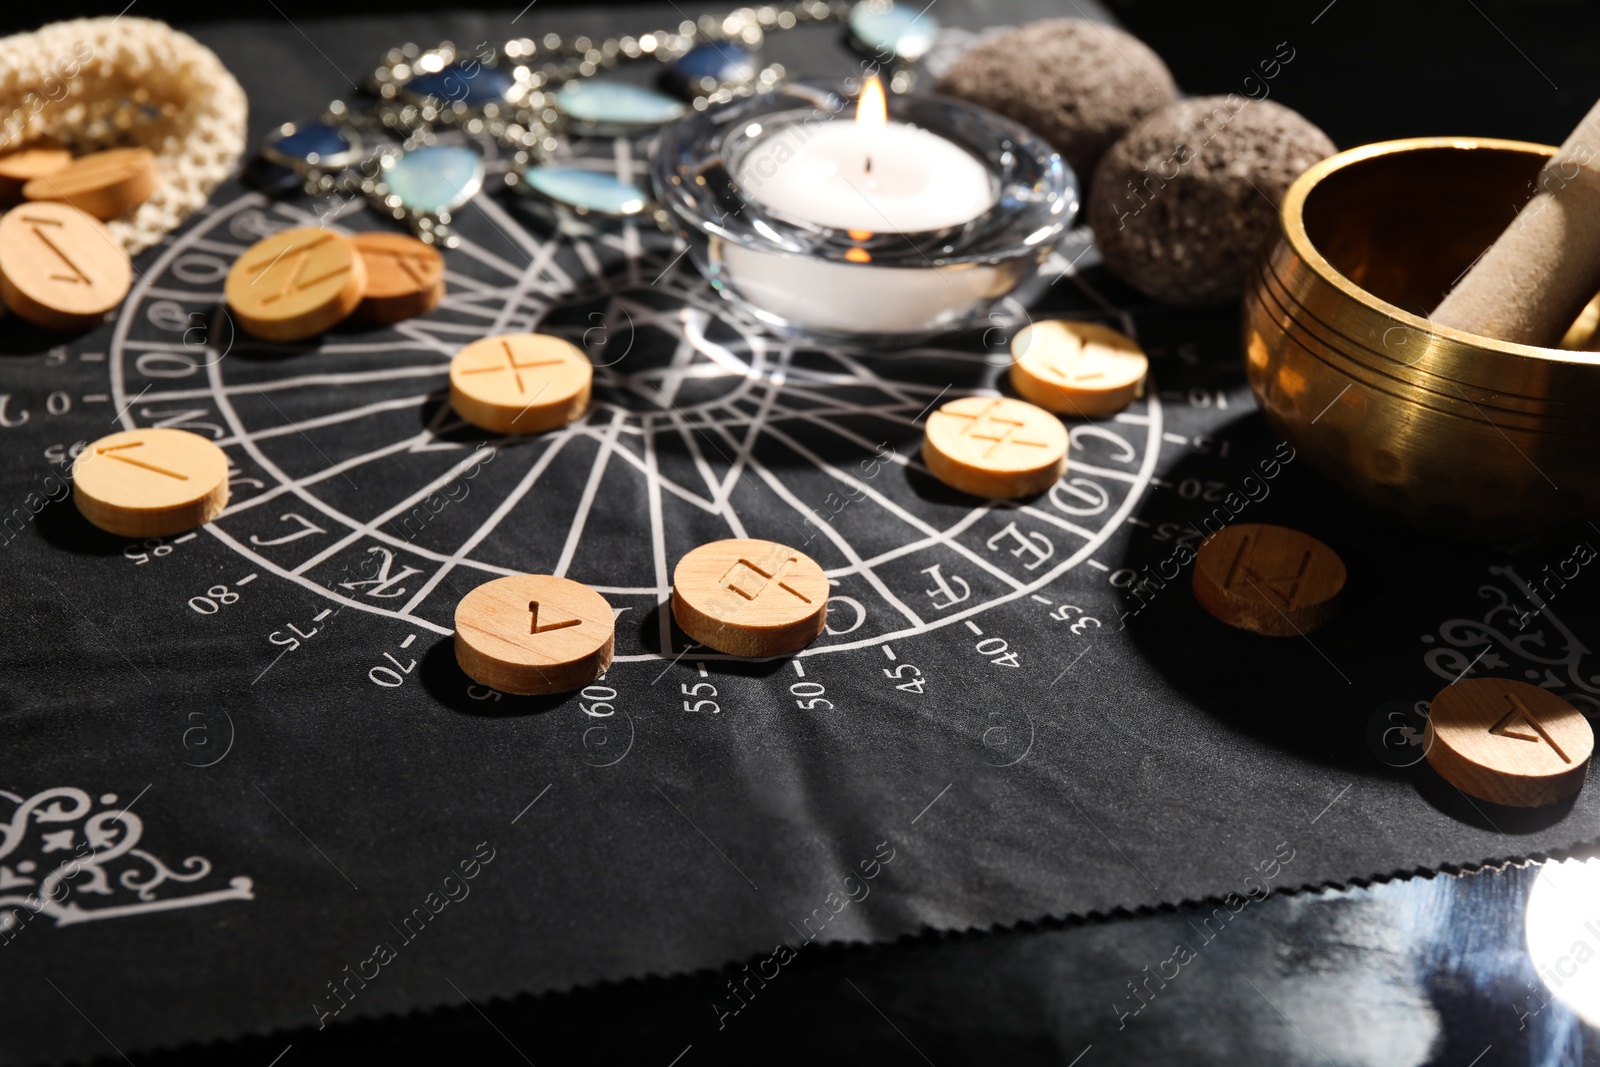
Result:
pixel 1243 567
pixel 535 628
pixel 732 582
pixel 77 277
pixel 293 282
pixel 413 266
pixel 1075 367
pixel 513 366
pixel 987 426
pixel 113 450
pixel 1519 715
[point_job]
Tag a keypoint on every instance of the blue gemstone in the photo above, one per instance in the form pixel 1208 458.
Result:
pixel 886 29
pixel 723 62
pixel 471 83
pixel 587 190
pixel 435 179
pixel 617 104
pixel 313 142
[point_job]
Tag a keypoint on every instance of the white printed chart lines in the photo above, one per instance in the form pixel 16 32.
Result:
pixel 737 348
pixel 720 504
pixel 889 505
pixel 784 493
pixel 505 507
pixel 597 471
pixel 349 414
pixel 119 334
pixel 658 539
pixel 1113 523
pixel 304 381
pixel 372 526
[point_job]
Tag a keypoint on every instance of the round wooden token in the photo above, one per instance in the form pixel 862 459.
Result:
pixel 1508 742
pixel 750 598
pixel 19 167
pixel 1268 579
pixel 534 634
pixel 104 184
pixel 995 447
pixel 59 268
pixel 296 284
pixel 150 483
pixel 1077 368
pixel 520 382
pixel 405 278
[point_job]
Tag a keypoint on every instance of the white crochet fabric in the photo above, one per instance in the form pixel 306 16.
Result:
pixel 109 82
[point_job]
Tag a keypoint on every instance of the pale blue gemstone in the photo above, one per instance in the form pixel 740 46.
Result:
pixel 435 179
pixel 617 104
pixel 587 190
pixel 886 29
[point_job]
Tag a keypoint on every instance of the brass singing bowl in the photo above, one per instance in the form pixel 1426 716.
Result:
pixel 1451 432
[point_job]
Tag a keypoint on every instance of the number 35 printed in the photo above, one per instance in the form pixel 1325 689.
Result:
pixel 1083 622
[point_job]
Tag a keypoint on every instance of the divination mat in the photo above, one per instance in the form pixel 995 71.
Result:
pixel 256 740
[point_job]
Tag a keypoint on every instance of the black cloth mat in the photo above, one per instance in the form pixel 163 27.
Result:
pixel 276 696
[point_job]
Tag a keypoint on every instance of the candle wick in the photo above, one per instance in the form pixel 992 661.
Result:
pixel 869 164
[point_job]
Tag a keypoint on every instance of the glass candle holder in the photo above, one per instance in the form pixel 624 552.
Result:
pixel 802 256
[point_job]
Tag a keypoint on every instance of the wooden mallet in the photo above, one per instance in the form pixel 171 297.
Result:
pixel 1536 278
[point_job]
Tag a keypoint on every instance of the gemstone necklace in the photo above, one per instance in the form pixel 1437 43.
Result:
pixel 444 123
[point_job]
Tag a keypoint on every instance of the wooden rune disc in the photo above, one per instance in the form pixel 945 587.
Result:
pixel 750 598
pixel 520 383
pixel 19 167
pixel 1268 579
pixel 296 284
pixel 534 634
pixel 150 483
pixel 995 447
pixel 104 184
pixel 1077 368
pixel 59 268
pixel 405 278
pixel 1508 742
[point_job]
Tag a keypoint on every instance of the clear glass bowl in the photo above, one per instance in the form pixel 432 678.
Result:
pixel 807 279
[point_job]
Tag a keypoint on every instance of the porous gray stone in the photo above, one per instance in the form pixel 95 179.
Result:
pixel 1182 206
pixel 1080 85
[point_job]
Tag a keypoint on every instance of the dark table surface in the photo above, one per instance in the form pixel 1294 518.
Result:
pixel 1426 969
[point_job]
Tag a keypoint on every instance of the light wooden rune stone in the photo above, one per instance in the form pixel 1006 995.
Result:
pixel 750 598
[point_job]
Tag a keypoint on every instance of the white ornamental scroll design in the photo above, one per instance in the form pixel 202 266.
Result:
pixel 1521 624
pixel 101 860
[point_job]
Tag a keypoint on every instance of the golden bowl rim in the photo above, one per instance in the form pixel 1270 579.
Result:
pixel 1292 220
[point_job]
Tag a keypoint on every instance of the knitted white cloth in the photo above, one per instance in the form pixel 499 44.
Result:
pixel 89 84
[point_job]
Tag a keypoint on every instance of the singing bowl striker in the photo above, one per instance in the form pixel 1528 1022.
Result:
pixel 1452 432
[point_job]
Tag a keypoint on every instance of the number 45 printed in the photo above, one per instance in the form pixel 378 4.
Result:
pixel 912 682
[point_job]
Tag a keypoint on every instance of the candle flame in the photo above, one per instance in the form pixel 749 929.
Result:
pixel 872 109
pixel 859 255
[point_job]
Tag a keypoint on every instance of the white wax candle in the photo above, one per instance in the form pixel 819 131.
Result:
pixel 892 178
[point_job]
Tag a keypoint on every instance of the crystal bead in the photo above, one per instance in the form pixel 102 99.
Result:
pixel 436 179
pixel 587 190
pixel 888 29
pixel 617 105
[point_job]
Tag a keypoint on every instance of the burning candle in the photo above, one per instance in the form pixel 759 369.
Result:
pixel 868 176
pixel 871 230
